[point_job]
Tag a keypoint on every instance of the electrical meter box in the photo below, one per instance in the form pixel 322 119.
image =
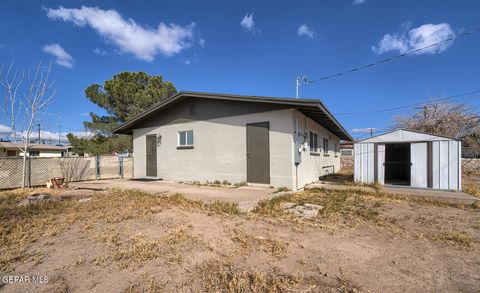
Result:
pixel 297 153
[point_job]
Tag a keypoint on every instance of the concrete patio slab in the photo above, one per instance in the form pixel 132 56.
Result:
pixel 245 196
pixel 441 195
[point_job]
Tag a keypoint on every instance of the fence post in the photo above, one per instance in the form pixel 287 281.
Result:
pixel 29 167
pixel 120 164
pixel 97 167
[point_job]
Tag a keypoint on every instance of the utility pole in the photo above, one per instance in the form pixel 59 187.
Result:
pixel 59 127
pixel 301 79
pixel 38 132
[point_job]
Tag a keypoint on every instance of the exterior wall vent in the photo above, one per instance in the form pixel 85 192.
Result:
pixel 192 109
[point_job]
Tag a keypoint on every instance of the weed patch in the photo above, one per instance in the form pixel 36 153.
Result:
pixel 249 243
pixel 454 238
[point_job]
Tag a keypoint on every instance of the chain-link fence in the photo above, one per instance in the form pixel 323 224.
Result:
pixel 39 170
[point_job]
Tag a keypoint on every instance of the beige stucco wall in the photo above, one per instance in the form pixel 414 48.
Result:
pixel 219 149
pixel 312 166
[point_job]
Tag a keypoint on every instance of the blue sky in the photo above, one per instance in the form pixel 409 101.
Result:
pixel 253 48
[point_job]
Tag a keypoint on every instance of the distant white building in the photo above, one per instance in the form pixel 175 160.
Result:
pixel 9 149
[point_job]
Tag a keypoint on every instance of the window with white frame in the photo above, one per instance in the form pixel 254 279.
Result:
pixel 185 139
pixel 335 148
pixel 314 145
pixel 325 146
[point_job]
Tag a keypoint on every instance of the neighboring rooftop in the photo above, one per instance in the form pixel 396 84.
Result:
pixel 312 108
pixel 32 146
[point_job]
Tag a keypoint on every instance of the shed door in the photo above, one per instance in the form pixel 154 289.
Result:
pixel 419 167
pixel 151 156
pixel 381 163
pixel 258 153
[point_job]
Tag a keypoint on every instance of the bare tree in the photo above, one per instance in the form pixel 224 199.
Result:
pixel 29 105
pixel 11 81
pixel 450 119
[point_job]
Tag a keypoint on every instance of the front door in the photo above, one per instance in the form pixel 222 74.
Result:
pixel 258 153
pixel 151 158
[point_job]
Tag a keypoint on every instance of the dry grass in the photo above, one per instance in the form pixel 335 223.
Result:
pixel 454 238
pixel 355 206
pixel 273 247
pixel 23 225
pixel 216 276
pixel 335 203
pixel 282 189
pixel 171 248
pixel 472 189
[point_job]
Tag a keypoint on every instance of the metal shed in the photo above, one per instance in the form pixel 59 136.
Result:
pixel 409 158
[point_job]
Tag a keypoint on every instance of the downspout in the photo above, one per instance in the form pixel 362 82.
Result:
pixel 295 147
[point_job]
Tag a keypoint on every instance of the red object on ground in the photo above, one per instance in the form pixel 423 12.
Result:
pixel 57 182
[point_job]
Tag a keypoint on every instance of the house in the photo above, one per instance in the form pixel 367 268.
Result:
pixel 409 158
pixel 346 148
pixel 10 149
pixel 206 137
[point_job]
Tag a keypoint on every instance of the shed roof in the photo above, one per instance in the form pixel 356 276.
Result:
pixel 406 135
pixel 312 108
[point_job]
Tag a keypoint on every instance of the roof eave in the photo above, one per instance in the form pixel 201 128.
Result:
pixel 126 128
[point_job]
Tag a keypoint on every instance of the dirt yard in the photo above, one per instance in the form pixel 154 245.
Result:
pixel 129 241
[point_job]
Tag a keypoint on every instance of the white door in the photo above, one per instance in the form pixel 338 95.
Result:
pixel 419 159
pixel 381 163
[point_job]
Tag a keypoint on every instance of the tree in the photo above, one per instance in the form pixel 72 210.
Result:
pixel 450 119
pixel 29 105
pixel 126 95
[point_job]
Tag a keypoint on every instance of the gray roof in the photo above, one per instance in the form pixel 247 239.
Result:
pixel 32 146
pixel 312 108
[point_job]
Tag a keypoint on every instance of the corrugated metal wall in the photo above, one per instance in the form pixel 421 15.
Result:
pixel 446 171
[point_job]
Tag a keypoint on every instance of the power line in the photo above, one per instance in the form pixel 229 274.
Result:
pixel 356 114
pixel 395 57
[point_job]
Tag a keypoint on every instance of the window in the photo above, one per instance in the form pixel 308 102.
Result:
pixel 34 153
pixel 346 152
pixel 325 146
pixel 185 139
pixel 335 148
pixel 314 147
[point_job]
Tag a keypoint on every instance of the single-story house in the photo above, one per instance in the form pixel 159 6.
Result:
pixel 10 149
pixel 409 158
pixel 206 137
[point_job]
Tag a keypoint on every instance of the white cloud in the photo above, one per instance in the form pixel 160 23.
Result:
pixel 363 130
pixel 304 30
pixel 415 38
pixel 248 23
pixel 143 42
pixel 100 52
pixel 61 56
pixel 358 2
pixel 201 43
pixel 5 130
